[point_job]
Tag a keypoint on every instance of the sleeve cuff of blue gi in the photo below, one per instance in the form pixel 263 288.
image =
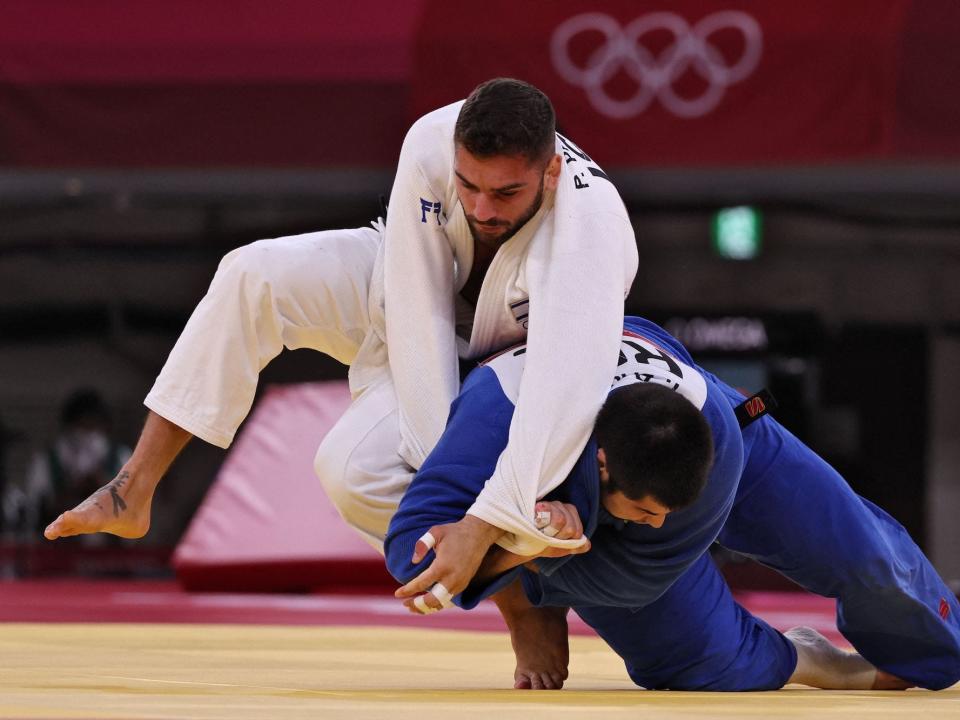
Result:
pixel 398 554
pixel 398 549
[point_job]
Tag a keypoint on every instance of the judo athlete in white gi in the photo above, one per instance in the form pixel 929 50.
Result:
pixel 499 229
pixel 648 586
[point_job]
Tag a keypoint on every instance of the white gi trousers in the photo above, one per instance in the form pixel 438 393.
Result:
pixel 303 291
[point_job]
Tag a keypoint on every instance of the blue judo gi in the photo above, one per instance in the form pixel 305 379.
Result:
pixel 653 594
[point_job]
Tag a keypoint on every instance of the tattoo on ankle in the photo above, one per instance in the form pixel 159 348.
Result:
pixel 118 503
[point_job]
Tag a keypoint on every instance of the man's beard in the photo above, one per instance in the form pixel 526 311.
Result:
pixel 510 230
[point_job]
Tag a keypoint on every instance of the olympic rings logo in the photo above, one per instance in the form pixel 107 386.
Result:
pixel 655 75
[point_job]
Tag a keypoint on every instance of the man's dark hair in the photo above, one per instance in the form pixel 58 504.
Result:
pixel 656 443
pixel 504 116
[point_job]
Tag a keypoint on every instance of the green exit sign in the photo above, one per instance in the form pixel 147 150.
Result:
pixel 737 232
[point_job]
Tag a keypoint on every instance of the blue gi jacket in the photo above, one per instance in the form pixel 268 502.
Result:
pixel 629 565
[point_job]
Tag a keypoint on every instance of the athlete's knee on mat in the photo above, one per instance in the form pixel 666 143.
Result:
pixel 951 671
pixel 942 674
pixel 950 667
pixel 745 657
pixel 699 682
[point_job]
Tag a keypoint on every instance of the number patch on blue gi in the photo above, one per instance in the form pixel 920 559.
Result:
pixel 640 361
pixel 644 361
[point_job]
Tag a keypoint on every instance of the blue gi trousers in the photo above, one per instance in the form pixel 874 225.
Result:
pixel 695 637
pixel 796 514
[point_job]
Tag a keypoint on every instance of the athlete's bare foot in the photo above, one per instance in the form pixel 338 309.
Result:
pixel 116 508
pixel 821 664
pixel 542 649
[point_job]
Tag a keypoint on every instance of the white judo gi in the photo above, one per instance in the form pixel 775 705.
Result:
pixel 385 300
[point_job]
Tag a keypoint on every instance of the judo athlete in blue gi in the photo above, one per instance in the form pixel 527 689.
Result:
pixel 647 584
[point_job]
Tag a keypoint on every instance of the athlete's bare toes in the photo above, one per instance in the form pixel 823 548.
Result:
pixel 73 522
pixel 90 516
pixel 61 527
pixel 542 650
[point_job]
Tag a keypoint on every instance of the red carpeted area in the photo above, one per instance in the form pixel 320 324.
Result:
pixel 166 602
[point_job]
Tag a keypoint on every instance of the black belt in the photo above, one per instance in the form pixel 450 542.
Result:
pixel 755 407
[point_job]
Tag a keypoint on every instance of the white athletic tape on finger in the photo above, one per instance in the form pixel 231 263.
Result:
pixel 428 539
pixel 543 522
pixel 420 604
pixel 443 596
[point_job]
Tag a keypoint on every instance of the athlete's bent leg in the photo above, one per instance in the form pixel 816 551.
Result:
pixel 359 465
pixel 304 291
pixel 794 513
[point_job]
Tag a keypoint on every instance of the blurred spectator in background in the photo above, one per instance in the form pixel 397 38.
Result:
pixel 82 457
pixel 6 437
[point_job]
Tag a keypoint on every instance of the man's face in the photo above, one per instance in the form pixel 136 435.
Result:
pixel 500 194
pixel 645 511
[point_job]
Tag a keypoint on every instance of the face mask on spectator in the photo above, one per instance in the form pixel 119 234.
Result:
pixel 82 452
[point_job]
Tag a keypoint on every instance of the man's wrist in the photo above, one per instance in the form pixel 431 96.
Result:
pixel 482 529
pixel 496 562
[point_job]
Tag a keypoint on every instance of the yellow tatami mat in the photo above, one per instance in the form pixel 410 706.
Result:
pixel 249 671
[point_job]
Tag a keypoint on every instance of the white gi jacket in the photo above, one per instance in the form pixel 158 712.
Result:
pixel 571 266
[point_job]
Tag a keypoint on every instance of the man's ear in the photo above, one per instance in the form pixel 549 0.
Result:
pixel 602 461
pixel 551 176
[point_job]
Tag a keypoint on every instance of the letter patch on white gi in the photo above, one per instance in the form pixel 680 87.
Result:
pixel 427 207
